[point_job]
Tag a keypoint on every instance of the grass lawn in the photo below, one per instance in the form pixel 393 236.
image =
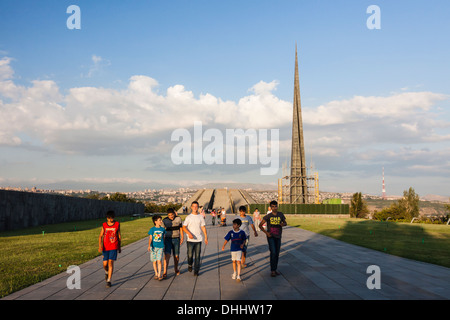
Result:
pixel 423 242
pixel 31 255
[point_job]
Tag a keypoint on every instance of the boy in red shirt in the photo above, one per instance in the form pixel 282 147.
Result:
pixel 109 244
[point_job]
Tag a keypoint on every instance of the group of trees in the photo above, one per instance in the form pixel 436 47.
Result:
pixel 121 197
pixel 153 207
pixel 150 207
pixel 404 209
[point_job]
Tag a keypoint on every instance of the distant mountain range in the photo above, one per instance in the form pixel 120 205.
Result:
pixel 130 187
pixel 433 197
pixel 253 186
pixel 140 186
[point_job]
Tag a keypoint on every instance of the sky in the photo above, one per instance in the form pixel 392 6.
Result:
pixel 96 107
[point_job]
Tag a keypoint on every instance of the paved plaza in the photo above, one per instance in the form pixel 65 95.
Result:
pixel 312 267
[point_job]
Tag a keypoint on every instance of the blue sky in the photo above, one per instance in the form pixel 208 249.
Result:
pixel 73 100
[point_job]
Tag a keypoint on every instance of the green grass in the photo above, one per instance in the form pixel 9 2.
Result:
pixel 423 242
pixel 29 256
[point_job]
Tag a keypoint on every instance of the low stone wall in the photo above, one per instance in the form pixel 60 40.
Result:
pixel 25 209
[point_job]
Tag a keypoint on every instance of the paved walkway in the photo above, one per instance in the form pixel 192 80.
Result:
pixel 312 267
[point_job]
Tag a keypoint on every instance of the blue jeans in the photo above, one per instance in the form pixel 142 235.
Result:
pixel 194 248
pixel 172 245
pixel 274 248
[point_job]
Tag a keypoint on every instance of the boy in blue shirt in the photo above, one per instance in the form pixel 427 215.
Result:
pixel 156 245
pixel 237 238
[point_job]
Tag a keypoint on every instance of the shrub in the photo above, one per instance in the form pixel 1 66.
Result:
pixel 358 208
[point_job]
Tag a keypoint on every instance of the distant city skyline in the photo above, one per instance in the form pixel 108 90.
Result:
pixel 95 107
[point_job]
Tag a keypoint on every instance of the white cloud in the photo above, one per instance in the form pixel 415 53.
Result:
pixel 398 106
pixel 97 64
pixel 96 59
pixel 354 133
pixel 87 119
pixel 6 72
pixel 355 124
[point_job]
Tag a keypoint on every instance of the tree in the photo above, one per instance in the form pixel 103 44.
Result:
pixel 358 207
pixel 394 211
pixel 94 196
pixel 151 207
pixel 409 204
pixel 447 206
pixel 121 197
pixel 406 208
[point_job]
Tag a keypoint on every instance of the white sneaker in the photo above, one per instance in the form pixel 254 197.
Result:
pixel 238 278
pixel 233 276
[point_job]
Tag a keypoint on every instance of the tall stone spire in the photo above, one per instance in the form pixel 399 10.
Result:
pixel 298 179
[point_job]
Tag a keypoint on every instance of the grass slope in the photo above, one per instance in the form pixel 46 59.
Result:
pixel 31 255
pixel 423 242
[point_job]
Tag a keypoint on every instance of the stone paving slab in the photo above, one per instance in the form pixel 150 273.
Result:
pixel 312 266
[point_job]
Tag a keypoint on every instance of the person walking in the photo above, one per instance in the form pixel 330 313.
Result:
pixel 213 216
pixel 156 245
pixel 237 237
pixel 223 218
pixel 275 221
pixel 247 221
pixel 194 226
pixel 172 240
pixel 109 243
pixel 257 219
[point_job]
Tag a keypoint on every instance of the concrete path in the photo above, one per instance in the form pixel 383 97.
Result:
pixel 312 267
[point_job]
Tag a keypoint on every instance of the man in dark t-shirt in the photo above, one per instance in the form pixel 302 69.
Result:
pixel 275 222
pixel 172 240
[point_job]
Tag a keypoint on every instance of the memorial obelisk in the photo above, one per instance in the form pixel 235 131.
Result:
pixel 298 179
